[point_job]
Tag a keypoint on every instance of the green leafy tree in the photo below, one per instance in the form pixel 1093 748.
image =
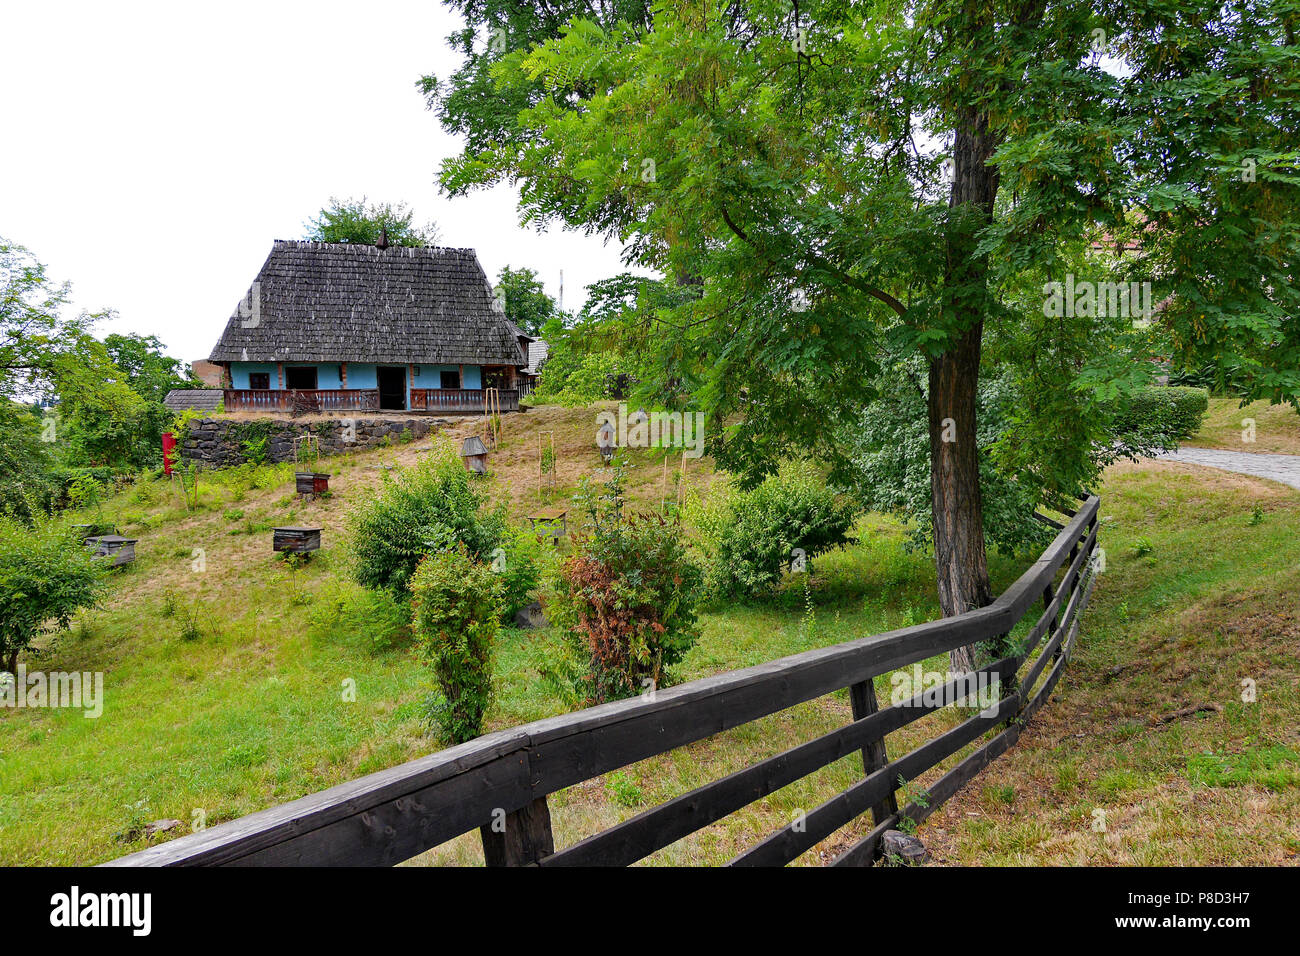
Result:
pixel 852 185
pixel 43 351
pixel 525 300
pixel 149 370
pixel 26 486
pixel 46 576
pixel 352 220
pixel 100 419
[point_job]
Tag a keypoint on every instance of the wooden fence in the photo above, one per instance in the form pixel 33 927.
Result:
pixel 393 815
pixel 459 400
pixel 302 400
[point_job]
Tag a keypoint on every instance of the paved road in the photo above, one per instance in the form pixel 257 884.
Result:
pixel 1283 468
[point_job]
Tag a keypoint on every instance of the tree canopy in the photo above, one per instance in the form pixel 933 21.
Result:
pixel 851 185
pixel 525 300
pixel 355 221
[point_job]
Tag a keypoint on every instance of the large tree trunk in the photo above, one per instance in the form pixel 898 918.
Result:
pixel 954 485
pixel 959 555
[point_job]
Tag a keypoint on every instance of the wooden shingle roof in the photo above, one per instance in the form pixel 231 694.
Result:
pixel 199 399
pixel 342 302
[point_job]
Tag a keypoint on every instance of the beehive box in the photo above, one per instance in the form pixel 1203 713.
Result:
pixel 121 550
pixel 299 540
pixel 312 482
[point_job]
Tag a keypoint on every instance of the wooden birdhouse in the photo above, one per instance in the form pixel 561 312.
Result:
pixel 475 454
pixel 605 436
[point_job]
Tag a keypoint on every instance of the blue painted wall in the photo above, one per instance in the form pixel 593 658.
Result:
pixel 327 374
pixel 360 375
pixel 239 373
pixel 431 376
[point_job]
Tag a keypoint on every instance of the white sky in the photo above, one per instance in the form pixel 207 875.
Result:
pixel 152 151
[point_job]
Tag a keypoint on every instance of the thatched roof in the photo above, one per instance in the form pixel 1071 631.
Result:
pixel 342 302
pixel 199 399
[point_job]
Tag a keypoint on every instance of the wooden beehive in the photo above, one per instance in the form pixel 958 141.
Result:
pixel 312 482
pixel 121 550
pixel 298 540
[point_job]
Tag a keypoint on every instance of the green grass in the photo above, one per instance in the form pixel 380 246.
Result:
pixel 227 690
pixel 1276 427
pixel 1211 603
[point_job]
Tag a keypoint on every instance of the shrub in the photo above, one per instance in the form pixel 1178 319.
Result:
pixel 428 508
pixel 1157 418
pixel 749 537
pixel 455 600
pixel 624 600
pixel 46 575
pixel 522 558
pixel 377 620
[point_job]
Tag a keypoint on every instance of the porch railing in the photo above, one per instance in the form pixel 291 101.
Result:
pixel 507 776
pixel 301 400
pixel 309 400
pixel 459 400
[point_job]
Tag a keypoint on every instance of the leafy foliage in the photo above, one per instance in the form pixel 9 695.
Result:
pixel 428 508
pixel 750 536
pixel 765 155
pixel 455 601
pixel 46 576
pixel 26 485
pixel 1158 418
pixel 892 463
pixel 352 220
pixel 624 599
pixel 523 560
pixel 525 300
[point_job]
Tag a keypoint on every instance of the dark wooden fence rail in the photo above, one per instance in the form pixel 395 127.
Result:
pixel 505 777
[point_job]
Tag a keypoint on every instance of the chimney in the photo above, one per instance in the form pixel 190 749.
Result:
pixel 383 238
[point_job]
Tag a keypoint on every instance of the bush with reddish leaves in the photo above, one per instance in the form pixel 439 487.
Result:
pixel 625 601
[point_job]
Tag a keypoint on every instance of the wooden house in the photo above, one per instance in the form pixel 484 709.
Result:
pixel 341 327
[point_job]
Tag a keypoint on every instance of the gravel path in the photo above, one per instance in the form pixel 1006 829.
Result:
pixel 1283 468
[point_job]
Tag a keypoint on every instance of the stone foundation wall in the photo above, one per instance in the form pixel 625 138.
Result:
pixel 220 442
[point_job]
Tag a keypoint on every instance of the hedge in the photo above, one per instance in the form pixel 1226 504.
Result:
pixel 1162 414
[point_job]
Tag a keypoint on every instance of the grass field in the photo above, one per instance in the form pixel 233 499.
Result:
pixel 1276 427
pixel 225 687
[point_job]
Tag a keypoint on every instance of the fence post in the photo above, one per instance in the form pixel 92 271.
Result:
pixel 527 837
pixel 862 697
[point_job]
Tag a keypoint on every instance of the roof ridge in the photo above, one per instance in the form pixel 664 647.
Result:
pixel 410 250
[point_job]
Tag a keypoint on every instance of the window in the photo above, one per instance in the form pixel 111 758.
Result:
pixel 259 379
pixel 300 376
pixel 450 378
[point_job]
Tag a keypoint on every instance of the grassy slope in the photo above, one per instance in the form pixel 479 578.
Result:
pixel 1213 603
pixel 251 713
pixel 1277 427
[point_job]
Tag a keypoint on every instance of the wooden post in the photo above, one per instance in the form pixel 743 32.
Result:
pixel 862 696
pixel 279 375
pixel 526 839
pixel 343 370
